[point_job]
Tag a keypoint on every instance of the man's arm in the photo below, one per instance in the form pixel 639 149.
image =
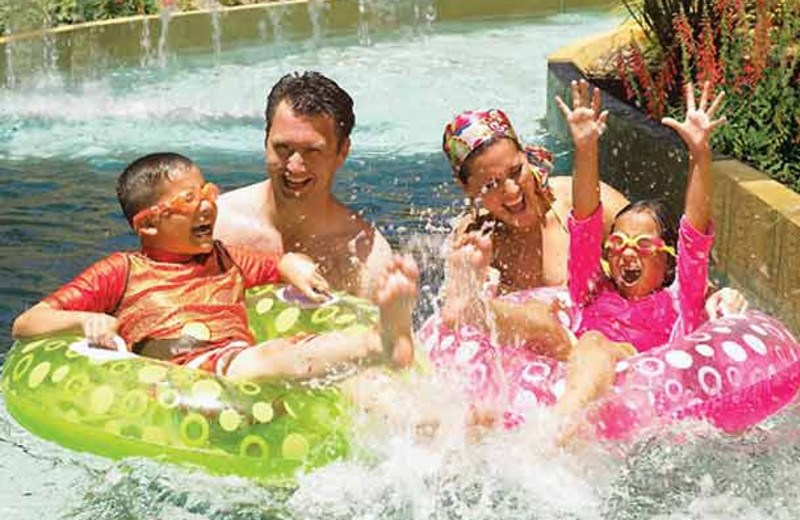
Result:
pixel 377 260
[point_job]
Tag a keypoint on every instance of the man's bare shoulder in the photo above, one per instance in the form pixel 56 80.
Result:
pixel 247 199
pixel 242 219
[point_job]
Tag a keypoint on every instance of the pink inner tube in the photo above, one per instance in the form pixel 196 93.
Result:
pixel 733 372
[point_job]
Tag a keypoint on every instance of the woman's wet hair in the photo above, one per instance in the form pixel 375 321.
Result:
pixel 463 172
pixel 667 228
pixel 139 185
pixel 312 94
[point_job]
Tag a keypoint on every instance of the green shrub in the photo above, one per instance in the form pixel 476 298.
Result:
pixel 25 15
pixel 747 47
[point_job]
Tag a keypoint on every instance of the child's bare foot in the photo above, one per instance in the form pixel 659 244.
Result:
pixel 395 299
pixel 482 417
pixel 467 270
pixel 534 321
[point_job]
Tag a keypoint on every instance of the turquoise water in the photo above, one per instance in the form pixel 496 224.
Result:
pixel 61 148
pixel 62 144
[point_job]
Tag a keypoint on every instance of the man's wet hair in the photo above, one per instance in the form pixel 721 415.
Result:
pixel 667 228
pixel 312 94
pixel 139 185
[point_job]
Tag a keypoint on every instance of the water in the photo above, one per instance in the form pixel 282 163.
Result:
pixel 62 146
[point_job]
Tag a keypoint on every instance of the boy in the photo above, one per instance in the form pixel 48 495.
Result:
pixel 181 298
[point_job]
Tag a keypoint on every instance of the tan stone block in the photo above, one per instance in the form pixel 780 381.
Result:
pixel 723 189
pixel 588 52
pixel 789 277
pixel 754 240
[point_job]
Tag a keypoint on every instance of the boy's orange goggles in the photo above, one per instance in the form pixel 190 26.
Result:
pixel 184 203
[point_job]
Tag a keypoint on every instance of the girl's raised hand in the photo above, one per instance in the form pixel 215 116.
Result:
pixel 696 129
pixel 585 120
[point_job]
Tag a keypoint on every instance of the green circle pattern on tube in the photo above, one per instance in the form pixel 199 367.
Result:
pixel 145 407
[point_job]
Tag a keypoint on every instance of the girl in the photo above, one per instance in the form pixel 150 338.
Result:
pixel 652 292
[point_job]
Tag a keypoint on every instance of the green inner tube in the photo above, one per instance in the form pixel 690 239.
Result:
pixel 121 405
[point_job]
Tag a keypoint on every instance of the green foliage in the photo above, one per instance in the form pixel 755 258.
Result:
pixel 656 17
pixel 25 15
pixel 749 48
pixel 763 129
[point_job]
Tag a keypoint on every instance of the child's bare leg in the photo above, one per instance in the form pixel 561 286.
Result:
pixel 591 370
pixel 395 299
pixel 317 356
pixel 389 401
pixel 532 320
pixel 467 271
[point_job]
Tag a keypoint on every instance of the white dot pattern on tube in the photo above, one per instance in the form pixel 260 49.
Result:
pixel 755 343
pixel 679 359
pixel 559 387
pixel 699 336
pixel 717 378
pixel 673 389
pixel 704 350
pixel 734 351
pixel 734 377
pixel 535 372
pixel 758 330
pixel 651 367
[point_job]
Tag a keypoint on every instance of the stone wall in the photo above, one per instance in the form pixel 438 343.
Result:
pixel 89 50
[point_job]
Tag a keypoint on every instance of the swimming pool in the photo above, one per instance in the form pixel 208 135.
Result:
pixel 63 144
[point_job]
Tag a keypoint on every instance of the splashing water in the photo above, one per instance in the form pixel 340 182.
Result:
pixel 49 50
pixel 144 42
pixel 424 16
pixel 216 30
pixel 11 76
pixel 363 22
pixel 276 14
pixel 61 149
pixel 316 13
pixel 165 15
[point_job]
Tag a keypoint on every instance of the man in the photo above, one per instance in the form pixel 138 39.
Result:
pixel 308 123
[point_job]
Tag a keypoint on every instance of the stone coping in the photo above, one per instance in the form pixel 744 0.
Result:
pixel 757 218
pixel 86 51
pixel 142 18
pixel 448 9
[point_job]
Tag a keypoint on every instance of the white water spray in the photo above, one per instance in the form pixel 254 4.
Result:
pixel 144 43
pixel 11 76
pixel 166 15
pixel 316 14
pixel 216 29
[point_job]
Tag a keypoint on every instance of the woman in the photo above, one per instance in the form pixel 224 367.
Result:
pixel 514 237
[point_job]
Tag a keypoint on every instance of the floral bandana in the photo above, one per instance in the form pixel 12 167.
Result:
pixel 470 129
